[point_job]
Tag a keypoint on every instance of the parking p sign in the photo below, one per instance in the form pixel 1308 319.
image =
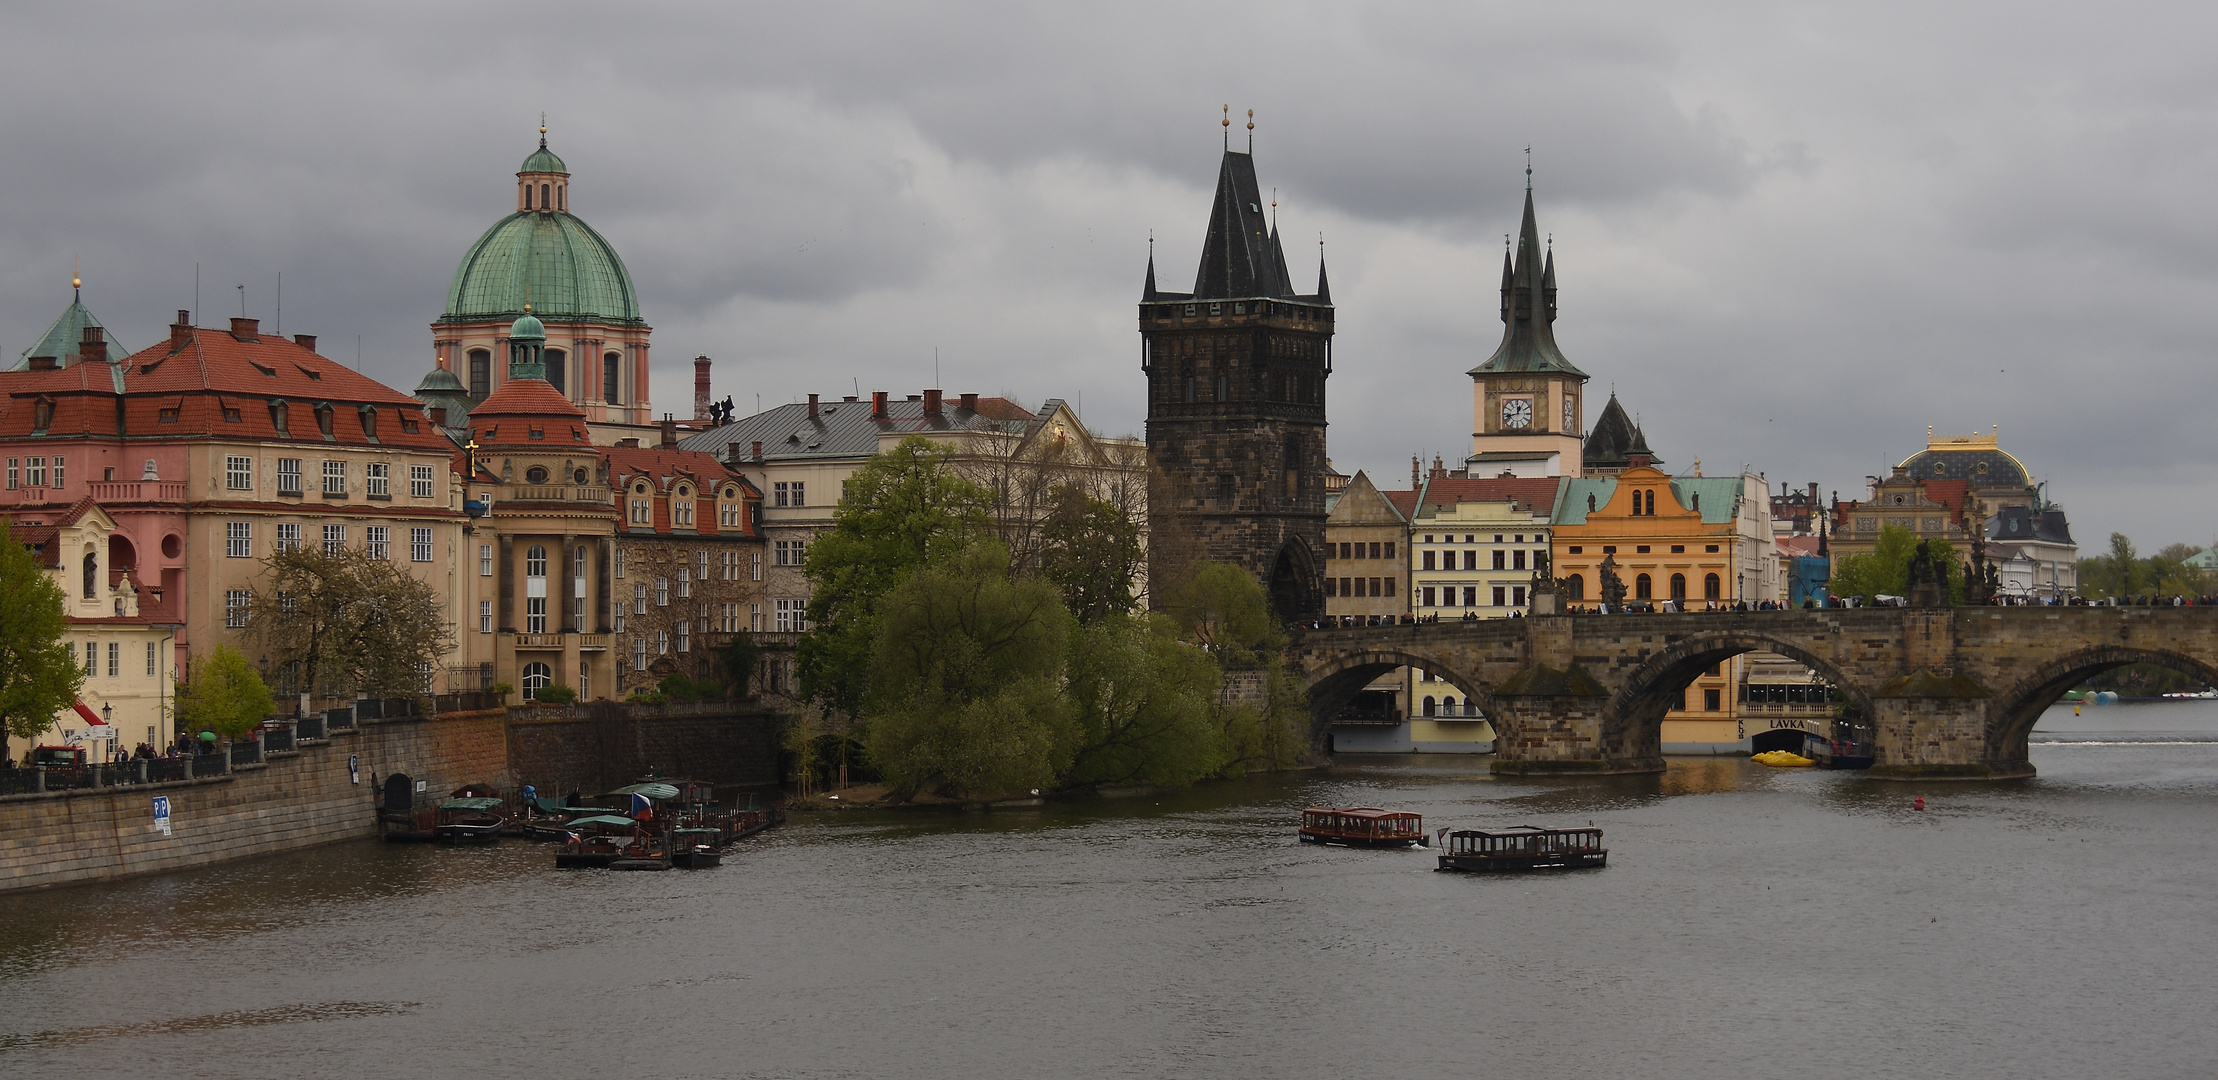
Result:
pixel 161 814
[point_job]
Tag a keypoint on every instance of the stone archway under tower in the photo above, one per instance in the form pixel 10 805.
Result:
pixel 1294 582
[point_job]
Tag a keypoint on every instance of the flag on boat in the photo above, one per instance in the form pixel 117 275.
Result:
pixel 643 809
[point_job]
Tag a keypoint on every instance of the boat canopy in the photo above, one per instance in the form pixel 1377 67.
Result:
pixel 650 790
pixel 604 819
pixel 477 803
pixel 711 832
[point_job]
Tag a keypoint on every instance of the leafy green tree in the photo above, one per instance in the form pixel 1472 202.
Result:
pixel 1885 570
pixel 739 658
pixel 1140 704
pixel 224 694
pixel 1090 550
pixel 1224 609
pixel 966 679
pixel 1266 731
pixel 901 509
pixel 347 621
pixel 39 676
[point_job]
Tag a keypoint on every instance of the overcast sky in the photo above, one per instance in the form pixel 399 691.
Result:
pixel 1791 237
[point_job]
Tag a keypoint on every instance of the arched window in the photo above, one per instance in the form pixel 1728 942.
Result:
pixel 1651 511
pixel 527 195
pixel 558 370
pixel 1576 586
pixel 536 678
pixel 1636 504
pixel 1430 705
pixel 1678 586
pixel 1448 706
pixel 612 377
pixel 92 575
pixel 545 193
pixel 562 196
pixel 481 373
pixel 1710 588
pixel 1643 589
pixel 279 411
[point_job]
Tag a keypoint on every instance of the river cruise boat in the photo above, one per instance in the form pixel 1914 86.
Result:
pixel 1526 847
pixel 1361 826
pixel 469 820
pixel 598 841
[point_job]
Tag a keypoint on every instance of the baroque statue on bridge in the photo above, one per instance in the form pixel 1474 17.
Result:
pixel 1612 586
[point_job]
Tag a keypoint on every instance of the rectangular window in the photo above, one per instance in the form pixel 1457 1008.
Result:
pixel 1517 595
pixel 1470 596
pixel 662 642
pixel 681 511
pixel 780 492
pixel 1499 555
pixel 115 659
pixel 1429 597
pixel 334 539
pixel 788 614
pixel 485 560
pixel 419 544
pixel 1331 587
pixel 639 653
pixel 662 592
pixel 754 618
pixel 639 598
pixel 799 496
pixel 58 482
pixel 288 536
pixel 701 564
pixel 34 472
pixel 234 608
pixel 642 512
pixel 288 476
pixel 729 564
pixel 727 515
pixel 238 539
pixel 685 636
pixel 377 478
pixel 754 558
pixel 150 659
pixel 1389 586
pixel 731 618
pixel 485 616
pixel 535 615
pixel 419 482
pixel 1390 549
pixel 620 560
pixel 1710 701
pixel 13 465
pixel 1427 559
pixel 685 581
pixel 1500 595
pixel 238 473
pixel 334 477
pixel 376 541
pixel 92 658
pixel 1517 560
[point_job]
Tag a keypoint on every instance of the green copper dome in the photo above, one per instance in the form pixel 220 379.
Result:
pixel 543 160
pixel 528 328
pixel 553 261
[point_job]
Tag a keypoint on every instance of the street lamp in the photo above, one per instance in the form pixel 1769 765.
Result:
pixel 107 713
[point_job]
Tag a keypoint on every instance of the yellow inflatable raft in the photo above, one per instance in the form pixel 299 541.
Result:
pixel 1783 759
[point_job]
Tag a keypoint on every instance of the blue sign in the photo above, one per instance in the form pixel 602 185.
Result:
pixel 354 768
pixel 161 814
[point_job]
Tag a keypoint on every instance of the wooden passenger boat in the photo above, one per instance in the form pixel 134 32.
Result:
pixel 469 820
pixel 599 840
pixel 1526 847
pixel 697 848
pixel 1362 826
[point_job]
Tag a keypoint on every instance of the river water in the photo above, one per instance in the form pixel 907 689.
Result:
pixel 1751 922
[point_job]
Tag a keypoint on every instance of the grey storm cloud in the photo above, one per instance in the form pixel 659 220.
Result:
pixel 1790 236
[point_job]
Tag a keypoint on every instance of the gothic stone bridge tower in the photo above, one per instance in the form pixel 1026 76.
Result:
pixel 1236 406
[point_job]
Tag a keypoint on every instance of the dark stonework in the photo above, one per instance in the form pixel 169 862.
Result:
pixel 1236 408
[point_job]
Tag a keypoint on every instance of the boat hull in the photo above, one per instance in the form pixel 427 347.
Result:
pixel 584 860
pixel 1512 864
pixel 697 860
pixel 1308 837
pixel 634 863
pixel 468 834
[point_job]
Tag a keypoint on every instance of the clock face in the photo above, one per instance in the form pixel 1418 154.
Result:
pixel 1517 413
pixel 1568 419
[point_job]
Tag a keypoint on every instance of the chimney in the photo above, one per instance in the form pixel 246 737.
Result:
pixel 1439 466
pixel 246 329
pixel 669 431
pixel 94 347
pixel 700 388
pixel 181 331
pixel 1416 470
pixel 439 416
pixel 970 403
pixel 1636 461
pixel 758 450
pixel 849 397
pixel 629 444
pixel 308 342
pixel 877 404
pixel 43 363
pixel 931 403
pixel 812 406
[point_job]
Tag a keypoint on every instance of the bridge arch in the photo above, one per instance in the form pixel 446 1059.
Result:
pixel 1337 681
pixel 1634 719
pixel 2016 708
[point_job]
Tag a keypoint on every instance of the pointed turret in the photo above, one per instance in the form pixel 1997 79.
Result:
pixel 1614 442
pixel 1240 256
pixel 1324 289
pixel 64 340
pixel 1528 307
pixel 1147 292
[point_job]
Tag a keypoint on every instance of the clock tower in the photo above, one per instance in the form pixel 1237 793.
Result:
pixel 1525 399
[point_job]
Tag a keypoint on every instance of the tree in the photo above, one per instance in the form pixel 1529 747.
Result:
pixel 1224 609
pixel 901 509
pixel 39 676
pixel 1885 570
pixel 966 678
pixel 224 694
pixel 740 656
pixel 1140 705
pixel 348 621
pixel 1090 551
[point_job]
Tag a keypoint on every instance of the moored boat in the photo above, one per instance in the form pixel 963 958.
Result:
pixel 469 820
pixel 698 848
pixel 598 840
pixel 1526 847
pixel 1362 826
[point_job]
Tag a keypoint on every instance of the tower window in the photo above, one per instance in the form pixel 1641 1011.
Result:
pixel 612 370
pixel 543 201
pixel 481 373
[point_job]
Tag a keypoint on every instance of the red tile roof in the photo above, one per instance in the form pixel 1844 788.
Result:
pixel 212 377
pixel 1537 494
pixel 509 415
pixel 663 468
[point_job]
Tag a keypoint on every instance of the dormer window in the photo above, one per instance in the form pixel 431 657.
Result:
pixel 369 422
pixel 278 410
pixel 323 420
pixel 167 416
pixel 42 415
pixel 408 423
pixel 231 415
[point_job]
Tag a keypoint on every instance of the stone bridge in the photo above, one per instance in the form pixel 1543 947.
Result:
pixel 1943 692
